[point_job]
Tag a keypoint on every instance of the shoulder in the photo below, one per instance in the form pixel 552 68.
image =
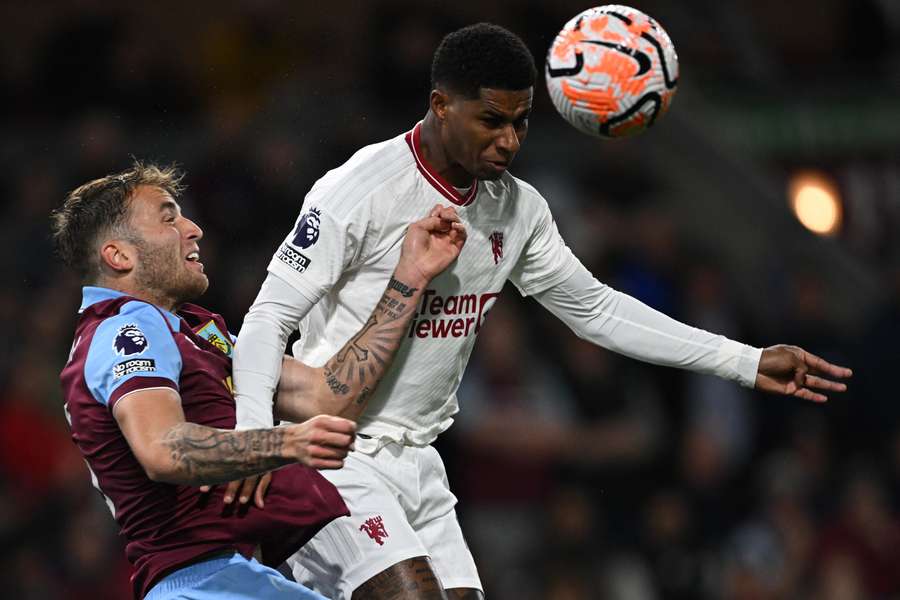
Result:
pixel 131 330
pixel 342 191
pixel 137 340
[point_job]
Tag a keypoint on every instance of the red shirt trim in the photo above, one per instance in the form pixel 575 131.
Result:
pixel 414 141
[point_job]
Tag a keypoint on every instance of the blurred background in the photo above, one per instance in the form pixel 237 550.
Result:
pixel 580 474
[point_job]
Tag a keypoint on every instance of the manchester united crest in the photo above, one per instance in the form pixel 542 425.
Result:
pixel 496 240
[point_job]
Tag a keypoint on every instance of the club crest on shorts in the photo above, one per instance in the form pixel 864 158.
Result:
pixel 130 340
pixel 374 528
pixel 307 232
pixel 496 239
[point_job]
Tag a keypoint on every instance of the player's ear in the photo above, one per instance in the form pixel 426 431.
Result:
pixel 117 256
pixel 439 101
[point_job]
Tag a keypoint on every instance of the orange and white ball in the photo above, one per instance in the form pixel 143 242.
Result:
pixel 612 71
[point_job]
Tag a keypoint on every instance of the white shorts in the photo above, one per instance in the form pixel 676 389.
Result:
pixel 400 507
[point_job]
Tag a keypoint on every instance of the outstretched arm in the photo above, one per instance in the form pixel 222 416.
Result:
pixel 623 324
pixel 620 323
pixel 346 382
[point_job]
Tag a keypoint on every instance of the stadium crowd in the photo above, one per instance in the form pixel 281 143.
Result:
pixel 581 474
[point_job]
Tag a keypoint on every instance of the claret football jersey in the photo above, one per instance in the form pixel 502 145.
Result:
pixel 124 345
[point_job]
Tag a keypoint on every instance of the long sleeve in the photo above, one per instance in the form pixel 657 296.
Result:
pixel 616 321
pixel 277 310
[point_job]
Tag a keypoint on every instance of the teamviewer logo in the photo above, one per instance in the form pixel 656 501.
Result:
pixel 451 316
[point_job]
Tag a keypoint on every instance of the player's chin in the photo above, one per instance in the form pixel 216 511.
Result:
pixel 203 284
pixel 491 171
pixel 196 287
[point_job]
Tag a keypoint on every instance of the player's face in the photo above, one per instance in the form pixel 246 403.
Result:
pixel 483 135
pixel 168 254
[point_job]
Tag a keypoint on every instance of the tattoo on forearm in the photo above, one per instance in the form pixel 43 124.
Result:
pixel 391 307
pixel 359 351
pixel 464 594
pixel 206 455
pixel 405 290
pixel 357 367
pixel 364 394
pixel 336 386
pixel 411 579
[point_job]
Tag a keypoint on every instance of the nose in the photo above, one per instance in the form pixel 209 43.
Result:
pixel 191 230
pixel 508 141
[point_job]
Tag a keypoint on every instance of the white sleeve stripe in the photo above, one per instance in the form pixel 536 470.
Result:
pixel 146 389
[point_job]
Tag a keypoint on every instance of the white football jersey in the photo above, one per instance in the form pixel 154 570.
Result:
pixel 346 243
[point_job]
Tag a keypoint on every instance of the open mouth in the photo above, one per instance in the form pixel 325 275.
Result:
pixel 194 258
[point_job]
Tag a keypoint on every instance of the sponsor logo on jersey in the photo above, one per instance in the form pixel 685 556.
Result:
pixel 307 232
pixel 212 334
pixel 292 258
pixel 450 316
pixel 130 340
pixel 496 239
pixel 135 365
pixel 374 528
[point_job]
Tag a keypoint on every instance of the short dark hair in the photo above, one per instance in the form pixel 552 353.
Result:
pixel 482 56
pixel 100 207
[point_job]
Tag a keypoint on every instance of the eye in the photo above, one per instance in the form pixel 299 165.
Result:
pixel 521 122
pixel 491 122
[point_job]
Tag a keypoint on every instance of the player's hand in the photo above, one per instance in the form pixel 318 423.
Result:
pixel 432 244
pixel 321 442
pixel 243 489
pixel 793 371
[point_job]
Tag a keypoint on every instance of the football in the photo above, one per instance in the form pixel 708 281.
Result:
pixel 612 71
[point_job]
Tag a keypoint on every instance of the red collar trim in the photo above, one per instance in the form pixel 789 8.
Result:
pixel 413 140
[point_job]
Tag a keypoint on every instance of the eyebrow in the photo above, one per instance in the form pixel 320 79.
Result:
pixel 168 205
pixel 491 112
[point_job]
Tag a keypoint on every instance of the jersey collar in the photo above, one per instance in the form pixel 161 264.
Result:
pixel 91 294
pixel 446 189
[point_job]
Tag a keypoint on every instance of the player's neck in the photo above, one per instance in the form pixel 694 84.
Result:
pixel 134 290
pixel 436 156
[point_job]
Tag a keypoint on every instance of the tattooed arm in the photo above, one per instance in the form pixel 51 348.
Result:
pixel 174 451
pixel 429 247
pixel 346 382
